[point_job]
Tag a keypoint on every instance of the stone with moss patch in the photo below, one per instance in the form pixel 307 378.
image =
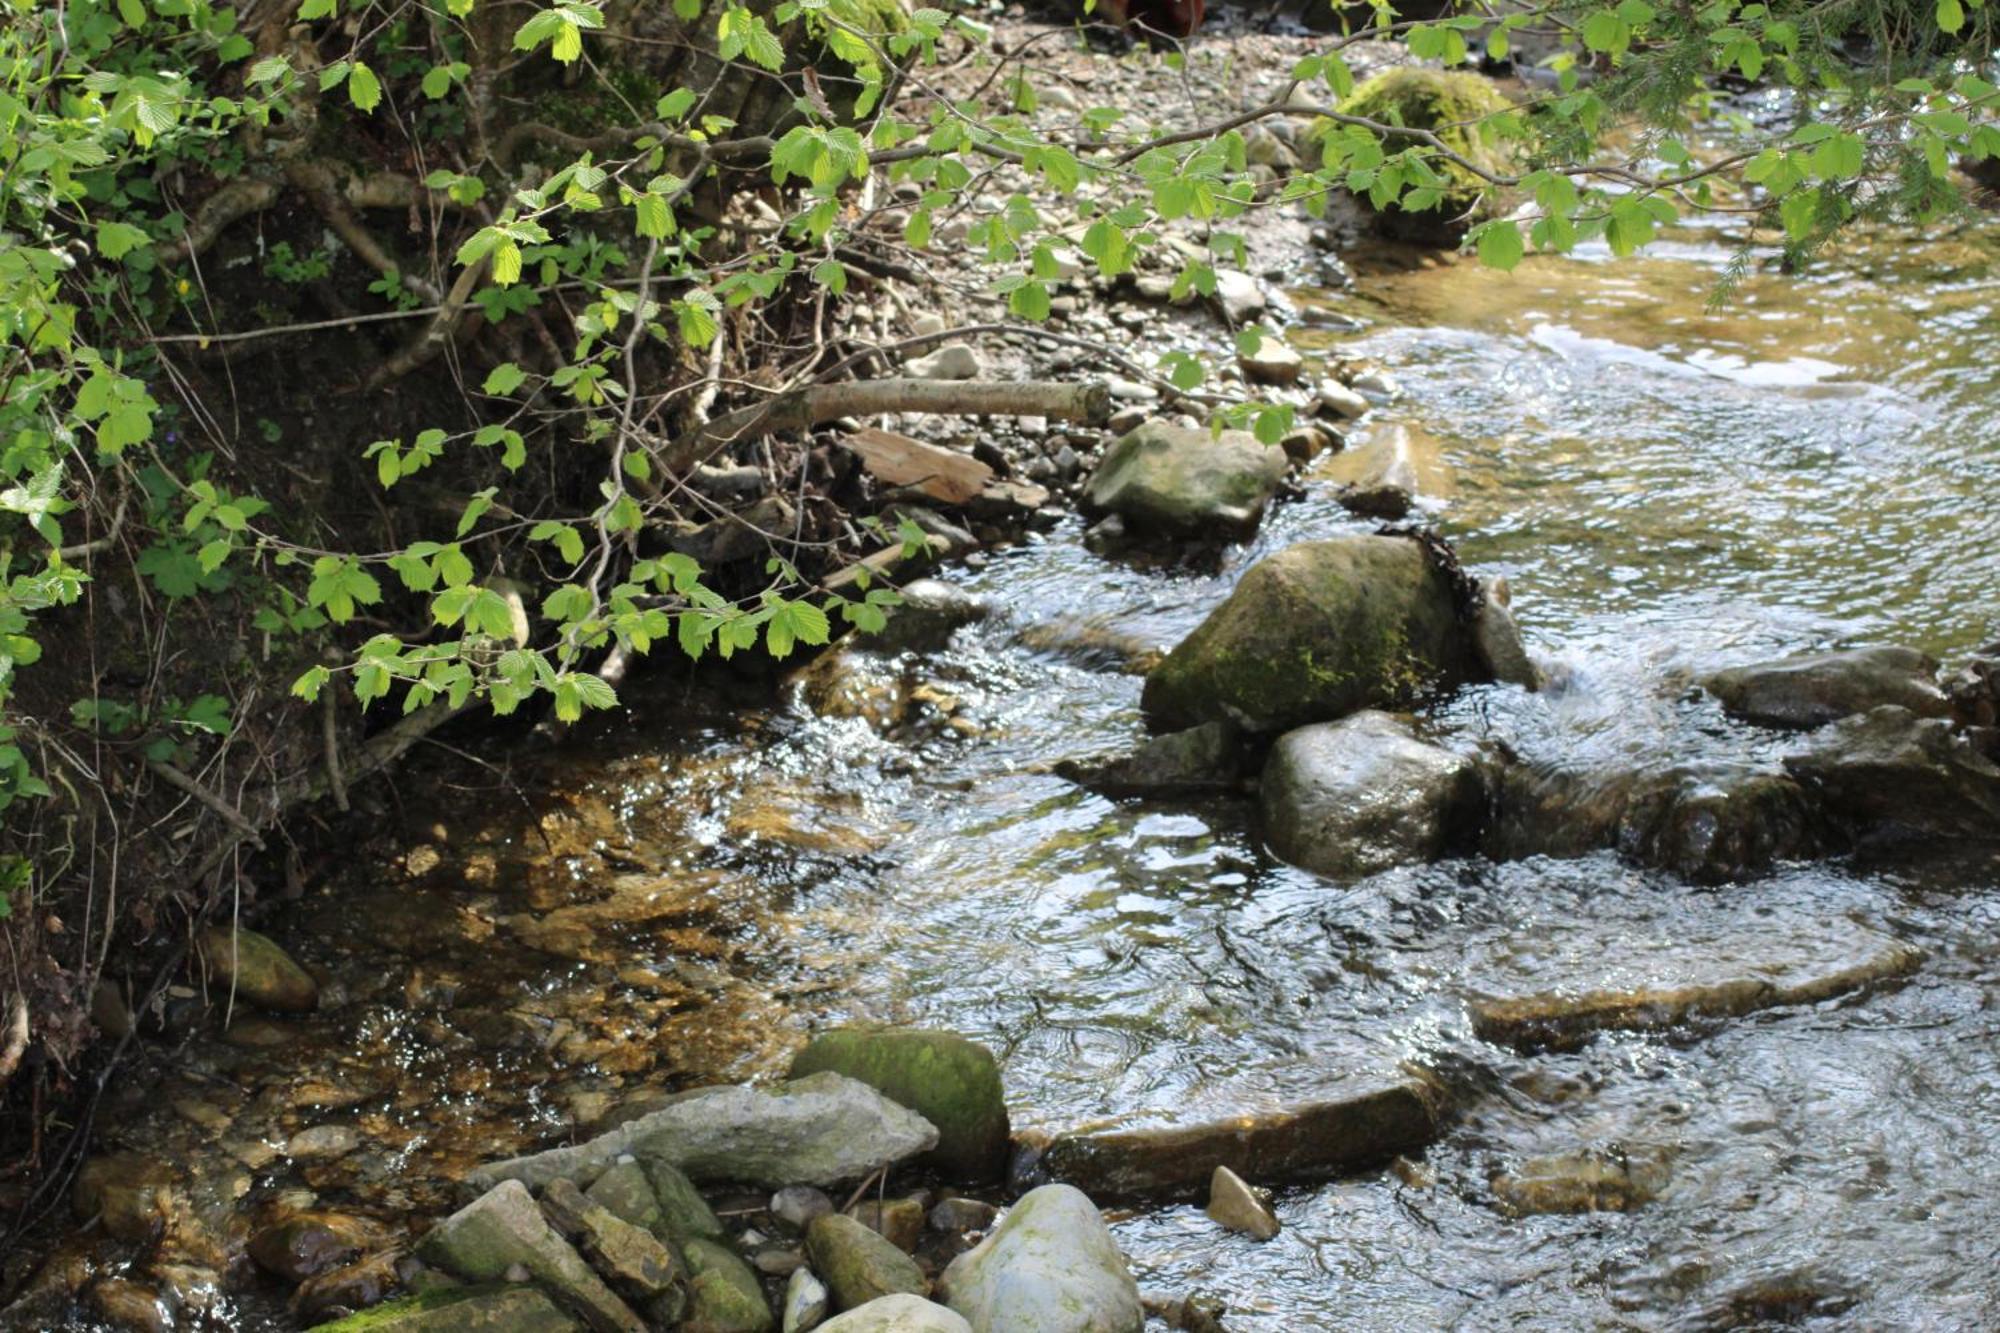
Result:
pixel 1457 107
pixel 519 1309
pixel 724 1295
pixel 947 1079
pixel 1318 631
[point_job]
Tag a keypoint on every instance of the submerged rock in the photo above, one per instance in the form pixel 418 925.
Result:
pixel 930 613
pixel 306 1244
pixel 858 1265
pixel 1181 481
pixel 1350 798
pixel 950 1081
pixel 1611 1180
pixel 1807 692
pixel 356 1286
pixel 1891 773
pixel 131 1307
pixel 822 1130
pixel 1207 758
pixel 252 967
pixel 1234 1205
pixel 899 1314
pixel 1364 1121
pixel 503 1229
pixel 1051 1266
pixel 1318 631
pixel 513 1309
pixel 1652 985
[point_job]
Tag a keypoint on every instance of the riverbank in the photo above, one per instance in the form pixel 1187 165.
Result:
pixel 508 957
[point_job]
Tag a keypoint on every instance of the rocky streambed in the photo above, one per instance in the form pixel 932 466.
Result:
pixel 1213 899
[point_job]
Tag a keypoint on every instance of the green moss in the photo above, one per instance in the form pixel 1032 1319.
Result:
pixel 462 1310
pixel 1457 107
pixel 950 1081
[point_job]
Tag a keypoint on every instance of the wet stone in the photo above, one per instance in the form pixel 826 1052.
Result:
pixel 302 1246
pixel 130 1307
pixel 1234 1205
pixel 950 1081
pixel 1367 1120
pixel 323 1143
pixel 254 968
pixel 1811 691
pixel 356 1286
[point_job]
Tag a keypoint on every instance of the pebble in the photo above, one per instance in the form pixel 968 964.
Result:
pixel 797 1205
pixel 806 1302
pixel 1342 401
pixel 953 361
pixel 1234 1205
pixel 957 1216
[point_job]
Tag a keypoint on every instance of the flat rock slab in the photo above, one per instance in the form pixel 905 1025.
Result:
pixel 821 1130
pixel 1366 1121
pixel 1807 692
pixel 1653 985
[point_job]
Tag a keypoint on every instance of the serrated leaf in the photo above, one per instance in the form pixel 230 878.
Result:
pixel 363 88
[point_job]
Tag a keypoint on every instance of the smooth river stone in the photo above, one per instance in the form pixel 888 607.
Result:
pixel 1655 982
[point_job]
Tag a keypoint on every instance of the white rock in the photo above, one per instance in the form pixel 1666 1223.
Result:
pixel 1273 362
pixel 1342 401
pixel 898 1314
pixel 806 1302
pixel 1378 386
pixel 1239 295
pixel 953 361
pixel 1050 1267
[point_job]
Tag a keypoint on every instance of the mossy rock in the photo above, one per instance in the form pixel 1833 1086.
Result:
pixel 724 1295
pixel 947 1079
pixel 254 968
pixel 514 1309
pixel 1315 632
pixel 1453 104
pixel 859 1266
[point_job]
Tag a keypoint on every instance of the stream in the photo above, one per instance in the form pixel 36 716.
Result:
pixel 1668 489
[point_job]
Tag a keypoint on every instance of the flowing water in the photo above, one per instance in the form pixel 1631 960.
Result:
pixel 1668 489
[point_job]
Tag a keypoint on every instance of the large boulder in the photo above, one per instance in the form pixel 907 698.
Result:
pixel 1051 1266
pixel 950 1081
pixel 1181 481
pixel 1890 773
pixel 503 1229
pixel 821 1130
pixel 1359 1122
pixel 1318 631
pixel 1347 799
pixel 1807 692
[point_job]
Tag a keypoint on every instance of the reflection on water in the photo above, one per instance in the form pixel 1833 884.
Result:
pixel 1668 488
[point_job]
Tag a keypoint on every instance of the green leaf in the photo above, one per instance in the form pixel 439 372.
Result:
pixel 1950 15
pixel 504 378
pixel 437 82
pixel 115 240
pixel 308 686
pixel 316 9
pixel 363 89
pixel 1500 245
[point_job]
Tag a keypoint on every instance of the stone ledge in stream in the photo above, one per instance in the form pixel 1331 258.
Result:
pixel 1661 987
pixel 1359 1124
pixel 821 1130
pixel 1808 692
pixel 1889 774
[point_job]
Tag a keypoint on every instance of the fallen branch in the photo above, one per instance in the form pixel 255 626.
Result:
pixel 231 816
pixel 814 405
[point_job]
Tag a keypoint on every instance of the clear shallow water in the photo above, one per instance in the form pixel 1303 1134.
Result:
pixel 1668 489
